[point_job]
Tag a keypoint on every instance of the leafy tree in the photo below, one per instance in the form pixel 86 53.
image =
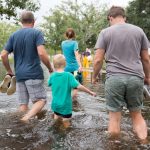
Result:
pixel 138 13
pixel 93 21
pixel 5 30
pixel 8 8
pixel 54 29
pixel 86 19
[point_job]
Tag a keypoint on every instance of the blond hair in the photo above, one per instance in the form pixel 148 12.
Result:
pixel 59 61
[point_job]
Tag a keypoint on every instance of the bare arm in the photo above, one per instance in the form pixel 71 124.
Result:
pixel 84 89
pixel 44 57
pixel 98 62
pixel 5 60
pixel 78 60
pixel 146 65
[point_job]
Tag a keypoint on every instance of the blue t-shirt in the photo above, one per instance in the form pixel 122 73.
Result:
pixel 68 48
pixel 23 43
pixel 61 84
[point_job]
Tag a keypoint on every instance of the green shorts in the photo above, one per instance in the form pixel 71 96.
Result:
pixel 124 91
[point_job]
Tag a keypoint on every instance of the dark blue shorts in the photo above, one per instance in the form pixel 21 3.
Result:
pixel 64 116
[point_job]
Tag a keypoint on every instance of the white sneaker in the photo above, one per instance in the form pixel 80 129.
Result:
pixel 12 87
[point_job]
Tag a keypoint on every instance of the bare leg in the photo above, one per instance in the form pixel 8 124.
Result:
pixel 37 106
pixel 114 123
pixel 23 108
pixel 66 122
pixel 56 117
pixel 57 120
pixel 139 124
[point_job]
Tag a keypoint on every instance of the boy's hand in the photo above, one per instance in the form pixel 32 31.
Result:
pixel 93 94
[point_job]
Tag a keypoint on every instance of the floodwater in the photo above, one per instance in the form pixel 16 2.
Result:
pixel 87 132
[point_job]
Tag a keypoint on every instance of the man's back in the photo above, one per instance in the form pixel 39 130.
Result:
pixel 123 43
pixel 24 44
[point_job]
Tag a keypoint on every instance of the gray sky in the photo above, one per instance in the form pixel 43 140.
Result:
pixel 47 4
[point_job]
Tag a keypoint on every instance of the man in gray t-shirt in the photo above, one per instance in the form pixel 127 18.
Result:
pixel 125 48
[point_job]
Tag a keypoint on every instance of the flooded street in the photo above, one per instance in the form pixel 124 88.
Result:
pixel 87 132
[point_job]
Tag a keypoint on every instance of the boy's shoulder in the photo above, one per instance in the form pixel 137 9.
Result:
pixel 52 74
pixel 63 73
pixel 68 74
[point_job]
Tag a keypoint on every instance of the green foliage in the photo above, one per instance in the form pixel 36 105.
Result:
pixel 86 19
pixel 8 8
pixel 6 30
pixel 138 13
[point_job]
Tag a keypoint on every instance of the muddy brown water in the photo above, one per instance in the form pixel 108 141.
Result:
pixel 87 132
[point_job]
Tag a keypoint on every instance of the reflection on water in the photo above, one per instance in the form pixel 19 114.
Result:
pixel 88 130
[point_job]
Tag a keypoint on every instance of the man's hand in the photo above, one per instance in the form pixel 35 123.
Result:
pixel 147 81
pixel 51 70
pixel 10 73
pixel 98 62
pixel 94 80
pixel 5 60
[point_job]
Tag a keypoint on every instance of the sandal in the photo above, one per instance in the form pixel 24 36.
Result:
pixel 12 86
pixel 5 84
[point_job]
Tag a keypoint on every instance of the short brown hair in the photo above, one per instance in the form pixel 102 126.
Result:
pixel 59 61
pixel 70 33
pixel 116 11
pixel 27 17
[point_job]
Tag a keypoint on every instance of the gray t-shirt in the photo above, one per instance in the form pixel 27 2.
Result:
pixel 122 44
pixel 23 43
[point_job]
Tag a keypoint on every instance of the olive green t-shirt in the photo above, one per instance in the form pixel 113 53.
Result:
pixel 61 85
